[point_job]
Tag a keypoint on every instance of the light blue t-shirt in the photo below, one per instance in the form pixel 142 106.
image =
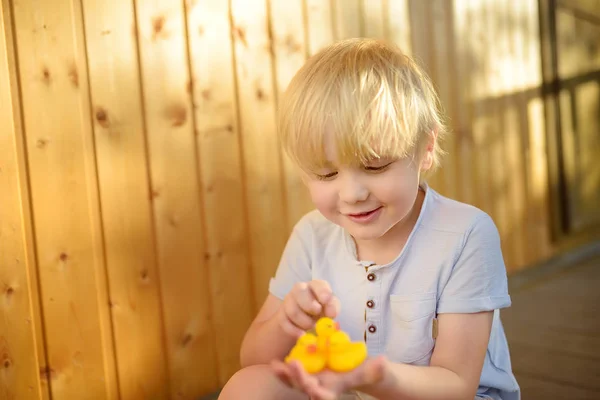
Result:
pixel 451 263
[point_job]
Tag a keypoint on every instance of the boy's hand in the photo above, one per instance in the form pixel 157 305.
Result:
pixel 329 385
pixel 304 304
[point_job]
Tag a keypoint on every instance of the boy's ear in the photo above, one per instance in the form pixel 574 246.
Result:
pixel 427 161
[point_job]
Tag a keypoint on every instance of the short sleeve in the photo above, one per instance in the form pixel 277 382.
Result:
pixel 478 280
pixel 294 265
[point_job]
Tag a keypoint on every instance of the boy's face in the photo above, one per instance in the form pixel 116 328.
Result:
pixel 366 200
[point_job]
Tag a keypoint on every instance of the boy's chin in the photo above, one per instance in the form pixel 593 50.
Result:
pixel 365 233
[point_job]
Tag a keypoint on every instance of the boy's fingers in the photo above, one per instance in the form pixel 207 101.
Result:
pixel 304 380
pixel 298 316
pixel 332 309
pixel 306 299
pixel 290 328
pixel 321 290
pixel 308 303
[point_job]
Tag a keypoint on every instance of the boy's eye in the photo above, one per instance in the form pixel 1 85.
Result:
pixel 377 168
pixel 324 177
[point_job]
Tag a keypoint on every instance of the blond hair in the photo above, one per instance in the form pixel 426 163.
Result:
pixel 374 99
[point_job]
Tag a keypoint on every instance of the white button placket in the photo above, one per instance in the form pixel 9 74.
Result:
pixel 372 310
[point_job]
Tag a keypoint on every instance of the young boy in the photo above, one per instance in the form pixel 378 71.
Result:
pixel 419 277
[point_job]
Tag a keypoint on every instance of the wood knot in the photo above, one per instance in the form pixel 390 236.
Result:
pixel 102 117
pixel 9 291
pixel 206 94
pixel 240 34
pixel 200 30
pixel 291 44
pixel 105 32
pixel 187 338
pixel 47 373
pixel 177 114
pixel 7 362
pixel 46 75
pixel 158 25
pixel 229 128
pixel 207 256
pixel 41 143
pixel 144 275
pixel 63 257
pixel 74 75
pixel 260 95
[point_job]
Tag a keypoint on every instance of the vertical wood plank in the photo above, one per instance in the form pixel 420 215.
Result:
pixel 320 30
pixel 423 53
pixel 515 133
pixel 290 50
pixel 544 120
pixel 444 75
pixel 65 199
pixel 538 229
pixel 421 34
pixel 488 148
pixel 347 16
pixel 398 25
pixel 219 149
pixel 124 182
pixel 21 343
pixel 569 147
pixel 262 164
pixel 374 18
pixel 463 133
pixel 176 196
pixel 491 118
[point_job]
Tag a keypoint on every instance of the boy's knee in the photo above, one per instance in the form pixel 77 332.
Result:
pixel 257 382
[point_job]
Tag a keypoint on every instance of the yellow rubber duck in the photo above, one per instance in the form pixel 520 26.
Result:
pixel 307 353
pixel 325 327
pixel 344 355
pixel 303 341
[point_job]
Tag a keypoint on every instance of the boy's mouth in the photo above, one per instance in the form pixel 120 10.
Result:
pixel 364 216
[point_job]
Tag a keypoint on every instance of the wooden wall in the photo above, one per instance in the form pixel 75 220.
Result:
pixel 144 202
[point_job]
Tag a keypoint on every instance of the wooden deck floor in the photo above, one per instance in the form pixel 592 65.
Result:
pixel 553 329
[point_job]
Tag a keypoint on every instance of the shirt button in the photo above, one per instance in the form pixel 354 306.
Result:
pixel 372 329
pixel 370 304
pixel 371 277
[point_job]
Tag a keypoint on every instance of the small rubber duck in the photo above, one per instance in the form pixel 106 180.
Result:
pixel 307 353
pixel 343 354
pixel 325 327
pixel 303 341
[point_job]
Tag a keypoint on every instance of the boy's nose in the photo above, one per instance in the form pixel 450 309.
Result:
pixel 352 191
